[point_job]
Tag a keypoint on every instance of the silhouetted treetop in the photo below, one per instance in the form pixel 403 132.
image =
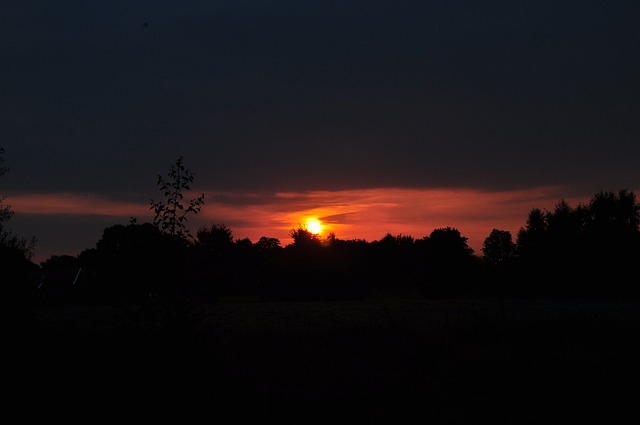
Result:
pixel 304 238
pixel 585 250
pixel 448 241
pixel 171 213
pixel 498 247
pixel 267 244
pixel 215 238
pixel 11 245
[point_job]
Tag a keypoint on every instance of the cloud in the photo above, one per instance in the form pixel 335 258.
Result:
pixel 342 218
pixel 366 214
pixel 77 204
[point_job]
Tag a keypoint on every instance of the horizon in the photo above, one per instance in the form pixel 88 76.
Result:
pixel 367 214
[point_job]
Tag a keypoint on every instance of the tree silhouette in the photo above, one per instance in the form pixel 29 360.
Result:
pixel 212 260
pixel 531 239
pixel 139 259
pixel 393 262
pixel 10 244
pixel 15 256
pixel 566 252
pixel 614 218
pixel 498 248
pixel 59 262
pixel 216 239
pixel 303 238
pixel 586 249
pixel 449 263
pixel 171 213
pixel 612 235
pixel 447 242
pixel 268 245
pixel 499 262
pixel 300 272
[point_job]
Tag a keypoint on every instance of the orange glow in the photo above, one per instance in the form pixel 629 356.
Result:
pixel 367 214
pixel 370 214
pixel 76 204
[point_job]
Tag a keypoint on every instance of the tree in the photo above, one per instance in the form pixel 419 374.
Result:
pixel 588 249
pixel 304 239
pixel 215 239
pixel 171 213
pixel 613 216
pixel 499 259
pixel 394 261
pixel 139 259
pixel 15 254
pixel 60 262
pixel 268 245
pixel 531 239
pixel 449 263
pixel 5 210
pixel 498 248
pixel 613 239
pixel 448 243
pixel 11 245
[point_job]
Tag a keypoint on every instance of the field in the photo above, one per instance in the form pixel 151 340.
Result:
pixel 370 361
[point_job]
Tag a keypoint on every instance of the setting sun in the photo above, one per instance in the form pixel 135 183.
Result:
pixel 314 226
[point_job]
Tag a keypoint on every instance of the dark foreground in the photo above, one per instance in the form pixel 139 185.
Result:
pixel 377 361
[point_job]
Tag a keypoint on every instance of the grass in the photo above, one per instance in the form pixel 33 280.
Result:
pixel 371 361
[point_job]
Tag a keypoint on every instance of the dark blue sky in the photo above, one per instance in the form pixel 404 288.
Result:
pixel 271 96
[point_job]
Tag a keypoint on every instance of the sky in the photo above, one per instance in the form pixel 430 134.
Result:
pixel 375 117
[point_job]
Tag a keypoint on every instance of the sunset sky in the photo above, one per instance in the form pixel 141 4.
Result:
pixel 374 117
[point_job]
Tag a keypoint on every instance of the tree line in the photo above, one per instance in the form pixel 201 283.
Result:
pixel 591 250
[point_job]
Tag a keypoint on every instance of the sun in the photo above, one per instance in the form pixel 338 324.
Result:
pixel 314 226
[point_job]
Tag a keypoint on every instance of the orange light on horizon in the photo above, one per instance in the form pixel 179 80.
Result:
pixel 76 204
pixel 369 214
pixel 363 214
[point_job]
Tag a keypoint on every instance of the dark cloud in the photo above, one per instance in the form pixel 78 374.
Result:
pixel 338 94
pixel 337 218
